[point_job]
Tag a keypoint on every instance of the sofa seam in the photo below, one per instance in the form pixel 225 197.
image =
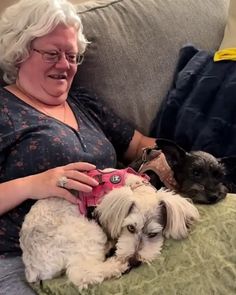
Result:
pixel 98 7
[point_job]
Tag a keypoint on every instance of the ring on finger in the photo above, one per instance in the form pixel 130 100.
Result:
pixel 62 181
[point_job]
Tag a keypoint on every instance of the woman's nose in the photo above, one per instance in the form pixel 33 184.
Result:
pixel 62 62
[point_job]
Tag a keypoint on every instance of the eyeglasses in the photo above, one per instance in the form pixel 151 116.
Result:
pixel 53 56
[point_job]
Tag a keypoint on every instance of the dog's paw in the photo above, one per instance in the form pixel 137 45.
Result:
pixel 120 268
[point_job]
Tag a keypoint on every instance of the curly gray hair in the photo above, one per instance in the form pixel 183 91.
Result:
pixel 26 20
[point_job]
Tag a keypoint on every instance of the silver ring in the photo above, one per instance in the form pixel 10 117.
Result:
pixel 62 181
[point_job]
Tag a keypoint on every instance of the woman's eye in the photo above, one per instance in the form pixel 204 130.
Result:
pixel 152 235
pixel 50 55
pixel 71 56
pixel 131 228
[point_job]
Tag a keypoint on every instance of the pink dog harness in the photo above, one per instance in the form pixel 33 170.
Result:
pixel 107 182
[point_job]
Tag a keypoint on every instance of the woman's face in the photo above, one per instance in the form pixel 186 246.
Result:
pixel 49 82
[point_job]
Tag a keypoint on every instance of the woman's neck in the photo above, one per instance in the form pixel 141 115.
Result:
pixel 56 111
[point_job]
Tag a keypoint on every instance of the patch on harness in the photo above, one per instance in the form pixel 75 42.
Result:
pixel 115 179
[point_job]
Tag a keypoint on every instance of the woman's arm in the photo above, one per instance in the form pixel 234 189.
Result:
pixel 45 185
pixel 138 142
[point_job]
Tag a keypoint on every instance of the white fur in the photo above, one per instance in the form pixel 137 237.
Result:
pixel 56 238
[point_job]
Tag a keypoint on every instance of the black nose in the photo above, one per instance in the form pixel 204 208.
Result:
pixel 134 262
pixel 111 252
pixel 213 199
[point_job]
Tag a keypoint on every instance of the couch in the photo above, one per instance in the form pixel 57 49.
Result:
pixel 130 64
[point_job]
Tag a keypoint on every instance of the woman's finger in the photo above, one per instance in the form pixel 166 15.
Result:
pixel 67 195
pixel 77 186
pixel 81 166
pixel 81 177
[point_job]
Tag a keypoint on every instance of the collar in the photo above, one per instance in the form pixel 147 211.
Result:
pixel 159 165
pixel 107 182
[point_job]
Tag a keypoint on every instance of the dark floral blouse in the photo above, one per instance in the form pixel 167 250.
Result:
pixel 32 142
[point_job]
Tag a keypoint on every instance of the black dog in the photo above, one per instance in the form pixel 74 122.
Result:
pixel 198 175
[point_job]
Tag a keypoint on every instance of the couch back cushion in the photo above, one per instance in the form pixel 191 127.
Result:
pixel 134 48
pixel 229 40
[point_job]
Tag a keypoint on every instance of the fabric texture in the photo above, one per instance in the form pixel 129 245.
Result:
pixel 32 142
pixel 12 277
pixel 229 40
pixel 204 263
pixel 134 48
pixel 198 112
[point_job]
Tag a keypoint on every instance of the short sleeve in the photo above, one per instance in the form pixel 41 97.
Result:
pixel 118 131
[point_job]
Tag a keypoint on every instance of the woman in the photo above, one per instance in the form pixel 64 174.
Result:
pixel 49 137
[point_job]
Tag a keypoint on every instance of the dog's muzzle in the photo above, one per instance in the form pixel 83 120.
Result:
pixel 134 262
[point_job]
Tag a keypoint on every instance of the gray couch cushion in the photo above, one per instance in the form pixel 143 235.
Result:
pixel 134 48
pixel 230 29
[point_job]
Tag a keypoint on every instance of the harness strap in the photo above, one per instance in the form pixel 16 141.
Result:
pixel 159 165
pixel 107 182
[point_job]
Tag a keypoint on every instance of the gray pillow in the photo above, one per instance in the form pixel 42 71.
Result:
pixel 134 48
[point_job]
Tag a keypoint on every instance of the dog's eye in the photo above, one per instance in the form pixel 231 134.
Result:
pixel 131 228
pixel 152 235
pixel 197 172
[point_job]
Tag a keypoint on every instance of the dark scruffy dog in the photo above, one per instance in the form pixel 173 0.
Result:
pixel 197 175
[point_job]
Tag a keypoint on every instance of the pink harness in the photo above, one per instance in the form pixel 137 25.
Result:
pixel 107 182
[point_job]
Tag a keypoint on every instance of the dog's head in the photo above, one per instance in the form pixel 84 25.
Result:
pixel 138 217
pixel 199 175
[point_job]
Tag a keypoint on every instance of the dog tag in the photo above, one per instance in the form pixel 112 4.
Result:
pixel 115 179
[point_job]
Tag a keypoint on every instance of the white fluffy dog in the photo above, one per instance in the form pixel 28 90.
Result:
pixel 134 219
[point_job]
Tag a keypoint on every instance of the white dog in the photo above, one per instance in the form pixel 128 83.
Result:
pixel 135 218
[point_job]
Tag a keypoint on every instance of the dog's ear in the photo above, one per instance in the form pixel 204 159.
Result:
pixel 178 214
pixel 113 209
pixel 175 155
pixel 229 164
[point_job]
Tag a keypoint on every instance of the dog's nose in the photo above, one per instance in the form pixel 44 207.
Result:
pixel 213 199
pixel 134 262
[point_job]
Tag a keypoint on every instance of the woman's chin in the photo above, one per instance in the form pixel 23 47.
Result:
pixel 58 90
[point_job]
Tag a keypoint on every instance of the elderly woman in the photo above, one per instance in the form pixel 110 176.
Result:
pixel 49 135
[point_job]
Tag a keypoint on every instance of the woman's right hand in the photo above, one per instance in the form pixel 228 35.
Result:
pixel 47 184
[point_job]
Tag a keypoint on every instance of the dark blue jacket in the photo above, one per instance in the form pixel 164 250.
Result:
pixel 199 111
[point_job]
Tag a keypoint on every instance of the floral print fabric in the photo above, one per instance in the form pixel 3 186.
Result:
pixel 32 142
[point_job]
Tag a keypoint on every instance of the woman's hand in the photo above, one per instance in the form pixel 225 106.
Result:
pixel 47 184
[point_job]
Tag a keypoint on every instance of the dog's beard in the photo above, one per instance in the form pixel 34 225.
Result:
pixel 133 219
pixel 147 216
pixel 201 193
pixel 144 243
pixel 138 248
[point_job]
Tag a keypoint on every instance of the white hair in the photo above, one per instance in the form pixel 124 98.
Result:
pixel 26 20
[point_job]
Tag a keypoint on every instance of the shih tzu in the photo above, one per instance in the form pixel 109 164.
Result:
pixel 197 175
pixel 133 219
